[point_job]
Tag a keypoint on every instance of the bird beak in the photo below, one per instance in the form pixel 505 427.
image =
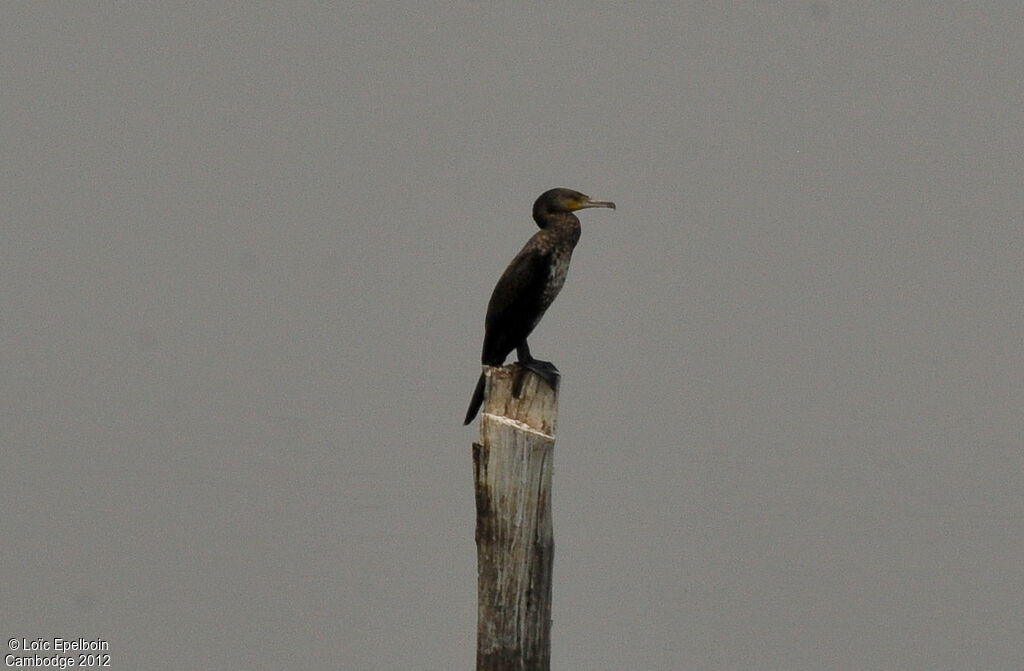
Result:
pixel 583 204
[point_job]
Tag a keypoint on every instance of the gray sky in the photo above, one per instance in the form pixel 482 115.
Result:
pixel 246 251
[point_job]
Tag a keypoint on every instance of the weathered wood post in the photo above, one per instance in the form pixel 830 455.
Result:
pixel 512 466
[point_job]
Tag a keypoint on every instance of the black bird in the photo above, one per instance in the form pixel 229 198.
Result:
pixel 529 285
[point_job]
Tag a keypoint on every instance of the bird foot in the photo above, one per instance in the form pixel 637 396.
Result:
pixel 544 369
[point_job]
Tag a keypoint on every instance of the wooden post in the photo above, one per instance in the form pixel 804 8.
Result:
pixel 514 543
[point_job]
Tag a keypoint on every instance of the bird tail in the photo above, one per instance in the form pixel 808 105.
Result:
pixel 478 399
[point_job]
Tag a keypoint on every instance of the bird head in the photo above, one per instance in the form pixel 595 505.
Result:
pixel 563 201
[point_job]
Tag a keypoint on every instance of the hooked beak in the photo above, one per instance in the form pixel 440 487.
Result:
pixel 583 204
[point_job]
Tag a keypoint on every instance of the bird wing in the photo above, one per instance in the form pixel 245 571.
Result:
pixel 517 302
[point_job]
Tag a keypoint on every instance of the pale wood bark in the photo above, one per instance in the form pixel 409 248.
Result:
pixel 512 467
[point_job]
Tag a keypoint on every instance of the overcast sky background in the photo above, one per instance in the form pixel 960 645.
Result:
pixel 246 251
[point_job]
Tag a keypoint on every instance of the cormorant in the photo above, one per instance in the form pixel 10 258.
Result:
pixel 529 285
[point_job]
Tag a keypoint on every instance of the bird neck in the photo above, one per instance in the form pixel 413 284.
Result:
pixel 564 228
pixel 560 220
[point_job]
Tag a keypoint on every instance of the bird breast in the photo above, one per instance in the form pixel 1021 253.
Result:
pixel 557 271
